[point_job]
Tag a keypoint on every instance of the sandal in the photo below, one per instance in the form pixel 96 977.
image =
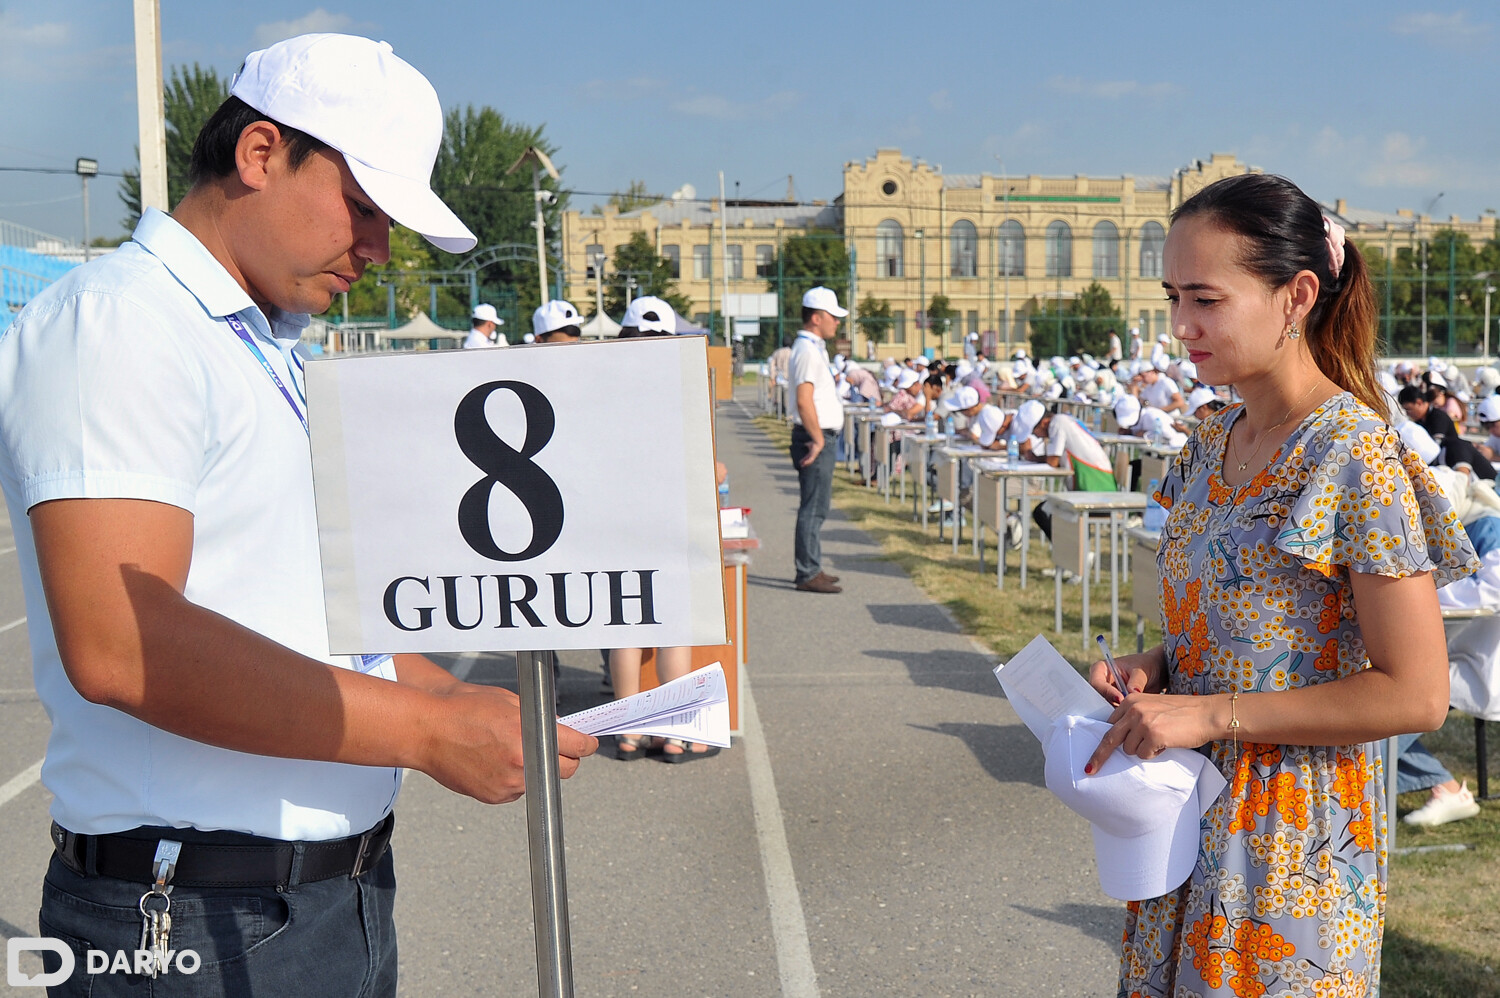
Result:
pixel 628 748
pixel 684 753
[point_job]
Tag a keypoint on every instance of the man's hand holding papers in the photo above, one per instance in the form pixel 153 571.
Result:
pixel 693 708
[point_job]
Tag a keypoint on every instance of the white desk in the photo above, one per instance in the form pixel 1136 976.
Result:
pixel 954 458
pixel 992 483
pixel 1145 586
pixel 1075 516
pixel 921 444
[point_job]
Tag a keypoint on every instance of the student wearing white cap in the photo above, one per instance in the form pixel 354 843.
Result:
pixel 556 321
pixel 203 737
pixel 484 328
pixel 817 419
pixel 1488 412
pixel 1298 568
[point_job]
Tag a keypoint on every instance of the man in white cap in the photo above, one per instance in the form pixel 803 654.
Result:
pixel 817 417
pixel 556 321
pixel 648 316
pixel 484 328
pixel 204 740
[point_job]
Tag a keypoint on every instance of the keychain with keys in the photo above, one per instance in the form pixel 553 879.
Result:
pixel 156 924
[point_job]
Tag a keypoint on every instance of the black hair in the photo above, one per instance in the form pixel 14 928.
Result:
pixel 629 332
pixel 1214 405
pixel 808 313
pixel 935 380
pixel 1284 234
pixel 1410 394
pixel 213 150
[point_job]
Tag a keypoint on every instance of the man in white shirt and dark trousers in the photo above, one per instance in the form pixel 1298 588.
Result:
pixel 817 417
pixel 208 753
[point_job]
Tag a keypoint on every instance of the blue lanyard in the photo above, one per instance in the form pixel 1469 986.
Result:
pixel 243 333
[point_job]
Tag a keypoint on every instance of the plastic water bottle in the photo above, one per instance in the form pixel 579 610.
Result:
pixel 724 492
pixel 1013 452
pixel 948 426
pixel 1155 516
pixel 929 425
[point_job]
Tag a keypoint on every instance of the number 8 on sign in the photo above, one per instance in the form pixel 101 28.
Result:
pixel 503 465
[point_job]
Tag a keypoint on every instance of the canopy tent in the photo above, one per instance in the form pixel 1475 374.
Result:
pixel 601 326
pixel 422 328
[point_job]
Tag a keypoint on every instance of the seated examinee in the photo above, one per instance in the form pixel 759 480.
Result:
pixel 1489 418
pixel 909 401
pixel 1071 445
pixel 556 322
pixel 1160 391
pixel 1456 451
pixel 863 386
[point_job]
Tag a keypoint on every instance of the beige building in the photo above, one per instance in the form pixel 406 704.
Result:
pixel 1001 249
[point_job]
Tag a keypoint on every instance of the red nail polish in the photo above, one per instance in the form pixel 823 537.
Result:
pixel 1088 769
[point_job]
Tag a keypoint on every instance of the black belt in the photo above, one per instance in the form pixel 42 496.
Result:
pixel 220 859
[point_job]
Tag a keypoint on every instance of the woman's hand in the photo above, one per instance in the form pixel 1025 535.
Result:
pixel 1147 725
pixel 1144 673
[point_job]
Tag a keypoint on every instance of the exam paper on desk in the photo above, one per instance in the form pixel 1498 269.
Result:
pixel 1042 686
pixel 693 708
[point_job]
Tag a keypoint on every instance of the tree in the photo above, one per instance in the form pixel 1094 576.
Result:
pixel 652 272
pixel 940 316
pixel 1446 283
pixel 469 175
pixel 875 318
pixel 369 298
pixel 803 263
pixel 636 195
pixel 1082 327
pixel 192 96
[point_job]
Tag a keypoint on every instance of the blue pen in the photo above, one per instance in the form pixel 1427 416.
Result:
pixel 1114 669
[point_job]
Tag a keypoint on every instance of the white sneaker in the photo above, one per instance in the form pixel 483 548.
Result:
pixel 1013 531
pixel 1445 806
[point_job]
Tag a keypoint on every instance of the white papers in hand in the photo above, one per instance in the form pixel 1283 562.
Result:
pixel 1042 686
pixel 694 708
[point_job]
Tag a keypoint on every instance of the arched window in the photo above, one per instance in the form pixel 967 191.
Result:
pixel 1059 249
pixel 963 243
pixel 889 247
pixel 1106 250
pixel 1012 249
pixel 1153 238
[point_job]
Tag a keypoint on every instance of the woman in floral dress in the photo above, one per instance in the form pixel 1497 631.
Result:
pixel 1299 567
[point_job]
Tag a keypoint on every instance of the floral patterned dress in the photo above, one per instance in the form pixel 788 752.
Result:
pixel 1288 894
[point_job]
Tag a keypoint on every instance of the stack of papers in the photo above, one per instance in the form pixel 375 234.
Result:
pixel 1042 687
pixel 694 708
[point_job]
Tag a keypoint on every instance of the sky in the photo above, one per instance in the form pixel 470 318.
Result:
pixel 1380 103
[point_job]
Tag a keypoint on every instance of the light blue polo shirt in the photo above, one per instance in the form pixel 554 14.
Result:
pixel 123 380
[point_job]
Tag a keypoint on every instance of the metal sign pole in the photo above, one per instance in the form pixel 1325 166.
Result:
pixel 549 880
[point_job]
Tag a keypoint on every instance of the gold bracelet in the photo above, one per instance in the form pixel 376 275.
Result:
pixel 1234 724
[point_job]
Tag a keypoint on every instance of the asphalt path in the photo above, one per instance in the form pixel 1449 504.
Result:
pixel 881 828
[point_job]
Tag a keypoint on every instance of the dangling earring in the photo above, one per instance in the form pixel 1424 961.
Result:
pixel 1294 333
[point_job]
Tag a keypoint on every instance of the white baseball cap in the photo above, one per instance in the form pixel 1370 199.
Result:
pixel 1127 411
pixel 921 361
pixel 529 338
pixel 1436 380
pixel 1415 436
pixel 824 298
pixel 1145 813
pixel 486 313
pixel 552 316
pixel 358 97
pixel 1489 408
pixel 1187 369
pixel 907 379
pixel 1200 396
pixel 960 398
pixel 1028 415
pixel 650 315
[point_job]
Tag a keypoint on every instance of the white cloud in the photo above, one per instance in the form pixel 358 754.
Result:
pixel 318 20
pixel 15 34
pixel 940 101
pixel 1443 30
pixel 722 108
pixel 1110 89
pixel 1394 160
pixel 621 90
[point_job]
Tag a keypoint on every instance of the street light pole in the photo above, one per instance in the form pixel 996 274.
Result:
pixel 86 168
pixel 1489 289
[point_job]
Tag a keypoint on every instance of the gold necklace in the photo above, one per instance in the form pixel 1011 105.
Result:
pixel 1263 433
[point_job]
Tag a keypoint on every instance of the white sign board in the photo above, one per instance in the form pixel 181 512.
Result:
pixel 756 306
pixel 538 498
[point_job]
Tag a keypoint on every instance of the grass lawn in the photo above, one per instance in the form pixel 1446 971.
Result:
pixel 1442 933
